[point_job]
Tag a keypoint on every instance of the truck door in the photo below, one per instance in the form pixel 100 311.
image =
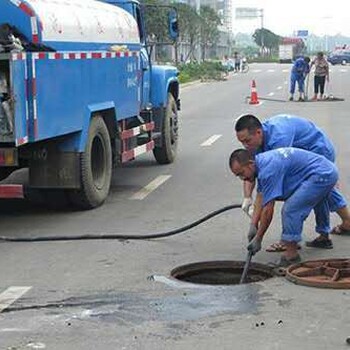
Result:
pixel 145 68
pixel 19 81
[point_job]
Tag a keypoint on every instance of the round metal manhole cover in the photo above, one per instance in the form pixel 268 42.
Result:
pixel 221 272
pixel 328 273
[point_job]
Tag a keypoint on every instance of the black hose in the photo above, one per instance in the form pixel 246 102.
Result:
pixel 120 236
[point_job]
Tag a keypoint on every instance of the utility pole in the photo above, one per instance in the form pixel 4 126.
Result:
pixel 252 13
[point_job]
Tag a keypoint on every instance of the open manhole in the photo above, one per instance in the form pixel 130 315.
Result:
pixel 327 273
pixel 221 272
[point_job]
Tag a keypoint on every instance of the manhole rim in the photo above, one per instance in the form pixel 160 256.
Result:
pixel 316 284
pixel 215 264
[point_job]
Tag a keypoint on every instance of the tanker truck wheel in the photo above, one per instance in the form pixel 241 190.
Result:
pixel 95 167
pixel 166 153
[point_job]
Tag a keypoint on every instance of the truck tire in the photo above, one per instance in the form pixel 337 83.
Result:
pixel 166 153
pixel 95 167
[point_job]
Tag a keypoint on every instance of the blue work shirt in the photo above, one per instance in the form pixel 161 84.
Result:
pixel 300 67
pixel 285 130
pixel 281 171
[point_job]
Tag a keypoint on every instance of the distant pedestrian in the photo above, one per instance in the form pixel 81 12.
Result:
pixel 237 61
pixel 321 75
pixel 299 72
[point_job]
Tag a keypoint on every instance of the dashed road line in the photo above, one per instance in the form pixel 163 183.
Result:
pixel 257 70
pixel 10 295
pixel 271 70
pixel 270 94
pixel 285 70
pixel 153 185
pixel 279 87
pixel 210 140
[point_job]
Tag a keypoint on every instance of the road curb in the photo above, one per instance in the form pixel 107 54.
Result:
pixel 190 83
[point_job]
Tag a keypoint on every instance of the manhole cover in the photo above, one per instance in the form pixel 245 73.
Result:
pixel 328 273
pixel 221 272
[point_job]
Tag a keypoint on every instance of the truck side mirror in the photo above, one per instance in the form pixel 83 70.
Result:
pixel 173 24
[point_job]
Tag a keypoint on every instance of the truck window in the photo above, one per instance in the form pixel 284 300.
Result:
pixel 140 24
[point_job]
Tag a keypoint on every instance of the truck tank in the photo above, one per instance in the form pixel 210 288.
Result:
pixel 71 25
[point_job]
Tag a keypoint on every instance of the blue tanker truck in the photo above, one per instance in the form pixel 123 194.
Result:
pixel 79 93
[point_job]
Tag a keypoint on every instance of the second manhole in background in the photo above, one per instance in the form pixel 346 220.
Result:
pixel 221 272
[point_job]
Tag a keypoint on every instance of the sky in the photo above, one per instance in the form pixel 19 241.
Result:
pixel 320 17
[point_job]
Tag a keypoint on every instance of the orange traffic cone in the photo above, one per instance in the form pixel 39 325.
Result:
pixel 253 95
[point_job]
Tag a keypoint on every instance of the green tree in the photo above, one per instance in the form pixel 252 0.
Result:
pixel 209 33
pixel 189 26
pixel 267 40
pixel 155 21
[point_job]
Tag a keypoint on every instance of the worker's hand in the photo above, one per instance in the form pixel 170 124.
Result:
pixel 252 232
pixel 255 245
pixel 247 206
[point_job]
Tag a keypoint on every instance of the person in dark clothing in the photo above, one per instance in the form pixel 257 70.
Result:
pixel 321 75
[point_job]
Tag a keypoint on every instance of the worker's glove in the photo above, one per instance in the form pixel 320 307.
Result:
pixel 247 206
pixel 255 245
pixel 252 232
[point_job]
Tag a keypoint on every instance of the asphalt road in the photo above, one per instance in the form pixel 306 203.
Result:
pixel 118 294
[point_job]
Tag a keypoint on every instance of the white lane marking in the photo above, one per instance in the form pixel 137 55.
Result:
pixel 271 94
pixel 256 70
pixel 36 345
pixel 144 192
pixel 10 295
pixel 279 87
pixel 285 70
pixel 210 140
pixel 343 70
pixel 270 70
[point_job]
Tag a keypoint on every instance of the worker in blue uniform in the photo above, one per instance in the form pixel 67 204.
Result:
pixel 287 131
pixel 299 72
pixel 303 180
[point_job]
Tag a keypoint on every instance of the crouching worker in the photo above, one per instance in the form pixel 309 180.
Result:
pixel 302 179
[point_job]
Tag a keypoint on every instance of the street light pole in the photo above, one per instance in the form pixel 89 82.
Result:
pixel 198 10
pixel 262 30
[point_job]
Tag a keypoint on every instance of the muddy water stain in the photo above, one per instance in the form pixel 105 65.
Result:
pixel 134 308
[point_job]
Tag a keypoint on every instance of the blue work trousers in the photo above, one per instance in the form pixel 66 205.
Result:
pixel 294 79
pixel 316 193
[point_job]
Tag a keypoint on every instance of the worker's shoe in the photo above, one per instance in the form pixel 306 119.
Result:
pixel 291 98
pixel 301 99
pixel 320 242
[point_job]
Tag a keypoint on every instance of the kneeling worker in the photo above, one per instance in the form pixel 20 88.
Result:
pixel 302 179
pixel 287 131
